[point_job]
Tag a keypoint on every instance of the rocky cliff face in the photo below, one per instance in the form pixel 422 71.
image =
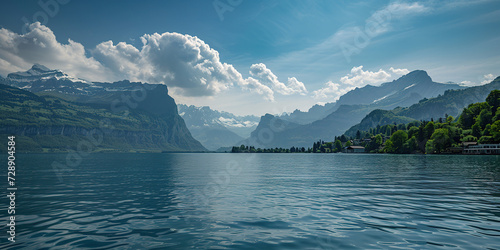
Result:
pixel 129 116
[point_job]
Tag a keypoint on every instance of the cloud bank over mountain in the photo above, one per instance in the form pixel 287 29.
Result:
pixel 39 45
pixel 188 65
pixel 357 78
pixel 183 62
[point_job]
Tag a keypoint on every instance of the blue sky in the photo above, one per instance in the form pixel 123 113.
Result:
pixel 258 56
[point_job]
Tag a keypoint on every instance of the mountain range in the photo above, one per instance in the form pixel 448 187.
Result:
pixel 452 102
pixel 401 92
pixel 40 72
pixel 48 110
pixel 215 129
pixel 349 110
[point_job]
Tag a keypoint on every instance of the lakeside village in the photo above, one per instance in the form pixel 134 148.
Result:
pixel 475 132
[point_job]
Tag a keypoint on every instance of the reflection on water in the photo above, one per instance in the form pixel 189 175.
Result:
pixel 247 201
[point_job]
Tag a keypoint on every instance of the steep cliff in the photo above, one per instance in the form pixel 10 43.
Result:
pixel 132 117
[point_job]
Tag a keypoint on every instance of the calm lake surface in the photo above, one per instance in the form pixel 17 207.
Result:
pixel 249 201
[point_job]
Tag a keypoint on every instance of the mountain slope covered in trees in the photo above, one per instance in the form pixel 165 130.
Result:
pixel 352 107
pixel 451 103
pixel 128 116
pixel 479 122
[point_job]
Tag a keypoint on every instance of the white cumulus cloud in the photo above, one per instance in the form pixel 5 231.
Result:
pixel 331 91
pixel 260 72
pixel 358 77
pixel 39 45
pixel 487 79
pixel 255 86
pixel 399 71
pixel 183 62
pixel 296 86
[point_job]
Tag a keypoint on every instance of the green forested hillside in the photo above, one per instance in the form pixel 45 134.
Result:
pixel 50 123
pixel 351 108
pixel 479 122
pixel 451 102
pixel 378 117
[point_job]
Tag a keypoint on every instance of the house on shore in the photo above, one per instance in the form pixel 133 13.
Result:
pixel 354 149
pixel 469 143
pixel 482 149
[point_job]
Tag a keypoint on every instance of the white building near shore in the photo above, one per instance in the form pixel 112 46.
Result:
pixel 483 149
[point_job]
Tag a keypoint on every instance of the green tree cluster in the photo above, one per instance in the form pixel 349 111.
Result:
pixel 479 122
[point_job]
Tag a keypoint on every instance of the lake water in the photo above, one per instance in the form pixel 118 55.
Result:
pixel 263 201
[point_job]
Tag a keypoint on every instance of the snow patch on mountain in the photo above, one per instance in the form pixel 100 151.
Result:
pixel 382 98
pixel 41 73
pixel 197 117
pixel 409 86
pixel 231 122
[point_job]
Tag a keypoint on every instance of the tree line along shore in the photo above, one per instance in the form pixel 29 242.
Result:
pixel 475 131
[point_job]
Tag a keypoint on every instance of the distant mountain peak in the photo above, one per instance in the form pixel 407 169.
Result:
pixel 40 72
pixel 36 70
pixel 418 72
pixel 417 76
pixel 216 129
pixel 39 67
